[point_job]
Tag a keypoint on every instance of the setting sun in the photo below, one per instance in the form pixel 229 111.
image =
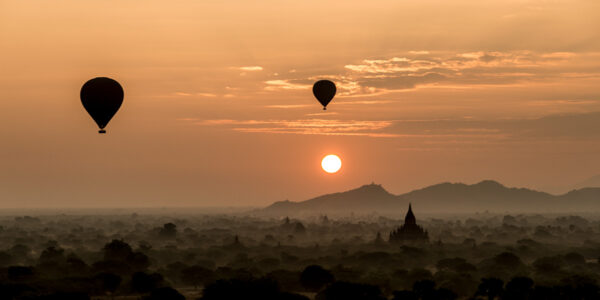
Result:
pixel 331 163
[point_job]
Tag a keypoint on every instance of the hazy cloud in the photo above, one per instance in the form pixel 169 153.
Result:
pixel 286 106
pixel 560 127
pixel 251 68
pixel 306 126
pixel 206 95
pixel 465 131
pixel 195 94
pixel 280 84
pixel 422 52
pixel 459 68
pixel 434 68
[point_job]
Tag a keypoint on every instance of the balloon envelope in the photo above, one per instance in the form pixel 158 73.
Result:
pixel 102 97
pixel 324 91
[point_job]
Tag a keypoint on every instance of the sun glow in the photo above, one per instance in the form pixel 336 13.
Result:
pixel 331 163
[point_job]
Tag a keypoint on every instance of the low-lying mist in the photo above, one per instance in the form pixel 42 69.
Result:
pixel 214 256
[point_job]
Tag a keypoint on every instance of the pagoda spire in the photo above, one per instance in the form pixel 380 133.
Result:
pixel 410 217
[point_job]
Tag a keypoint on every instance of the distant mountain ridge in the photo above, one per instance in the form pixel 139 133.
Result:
pixel 487 195
pixel 591 182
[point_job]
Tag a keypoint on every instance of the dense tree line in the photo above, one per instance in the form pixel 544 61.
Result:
pixel 241 257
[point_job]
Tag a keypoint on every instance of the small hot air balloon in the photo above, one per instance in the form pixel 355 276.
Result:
pixel 324 91
pixel 102 97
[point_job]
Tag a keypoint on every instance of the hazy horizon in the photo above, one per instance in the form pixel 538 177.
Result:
pixel 225 209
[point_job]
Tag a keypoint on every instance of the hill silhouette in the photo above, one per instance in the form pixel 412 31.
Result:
pixel 593 181
pixel 487 195
pixel 366 198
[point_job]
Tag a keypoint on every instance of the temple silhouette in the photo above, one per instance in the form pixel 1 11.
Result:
pixel 410 232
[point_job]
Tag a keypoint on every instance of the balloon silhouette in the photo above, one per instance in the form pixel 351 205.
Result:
pixel 324 91
pixel 102 97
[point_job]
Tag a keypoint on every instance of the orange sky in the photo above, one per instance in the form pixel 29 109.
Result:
pixel 218 107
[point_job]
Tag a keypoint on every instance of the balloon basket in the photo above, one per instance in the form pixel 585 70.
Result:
pixel 324 108
pixel 101 131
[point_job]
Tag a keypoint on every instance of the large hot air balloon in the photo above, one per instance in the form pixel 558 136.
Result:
pixel 102 97
pixel 324 91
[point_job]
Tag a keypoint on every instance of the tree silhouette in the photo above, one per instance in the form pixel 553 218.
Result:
pixel 263 289
pixel 164 293
pixel 287 279
pixel 350 291
pixel 549 265
pixel 52 262
pixel 144 283
pixel 405 295
pixel 76 266
pixel 117 250
pixel 444 294
pixel 169 230
pixel 108 283
pixel 5 258
pixel 119 258
pixel 65 296
pixel 138 261
pixel 378 239
pixel 314 278
pixel 580 287
pixel 424 289
pixel 197 275
pixel 508 260
pixel 573 258
pixel 52 255
pixel 299 229
pixel 19 273
pixel 518 288
pixel 459 265
pixel 490 288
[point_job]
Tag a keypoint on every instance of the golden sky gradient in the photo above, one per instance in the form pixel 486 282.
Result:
pixel 218 106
